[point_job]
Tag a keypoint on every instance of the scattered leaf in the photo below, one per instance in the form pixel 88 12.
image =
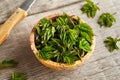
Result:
pixel 18 76
pixel 90 8
pixel 106 19
pixel 8 63
pixel 111 43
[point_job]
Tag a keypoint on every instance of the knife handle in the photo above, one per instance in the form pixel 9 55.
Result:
pixel 6 28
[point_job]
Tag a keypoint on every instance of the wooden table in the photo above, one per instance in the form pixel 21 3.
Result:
pixel 102 65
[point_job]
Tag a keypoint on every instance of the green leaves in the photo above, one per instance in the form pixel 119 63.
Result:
pixel 69 37
pixel 106 19
pixel 83 44
pixel 46 52
pixel 12 64
pixel 85 31
pixel 70 57
pixel 90 8
pixel 8 63
pixel 45 23
pixel 66 20
pixel 111 43
pixel 47 33
pixel 18 76
pixel 58 39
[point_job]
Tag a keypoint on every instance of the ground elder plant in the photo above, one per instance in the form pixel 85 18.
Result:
pixel 8 63
pixel 111 43
pixel 90 8
pixel 106 19
pixel 63 39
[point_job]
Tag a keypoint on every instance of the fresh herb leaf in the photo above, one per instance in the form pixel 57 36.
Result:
pixel 83 44
pixel 8 63
pixel 58 39
pixel 106 19
pixel 38 30
pixel 45 23
pixel 46 52
pixel 85 31
pixel 90 8
pixel 69 37
pixel 18 76
pixel 70 57
pixel 111 43
pixel 47 34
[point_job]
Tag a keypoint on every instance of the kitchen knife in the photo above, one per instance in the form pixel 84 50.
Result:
pixel 16 17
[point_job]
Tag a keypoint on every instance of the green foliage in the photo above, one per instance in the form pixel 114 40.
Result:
pixel 69 37
pixel 8 63
pixel 47 52
pixel 90 8
pixel 70 57
pixel 111 43
pixel 45 23
pixel 18 76
pixel 83 44
pixel 106 19
pixel 85 31
pixel 58 39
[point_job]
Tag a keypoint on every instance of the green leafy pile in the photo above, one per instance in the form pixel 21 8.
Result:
pixel 106 19
pixel 90 8
pixel 111 43
pixel 12 64
pixel 8 63
pixel 18 76
pixel 63 39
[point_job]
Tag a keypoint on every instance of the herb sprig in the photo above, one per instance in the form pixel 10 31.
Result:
pixel 18 76
pixel 106 19
pixel 90 8
pixel 8 63
pixel 111 43
pixel 63 39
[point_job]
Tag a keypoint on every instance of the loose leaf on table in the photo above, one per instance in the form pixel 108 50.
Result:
pixel 8 63
pixel 90 8
pixel 111 43
pixel 106 19
pixel 18 76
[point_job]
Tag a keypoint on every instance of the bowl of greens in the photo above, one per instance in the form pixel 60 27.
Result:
pixel 62 41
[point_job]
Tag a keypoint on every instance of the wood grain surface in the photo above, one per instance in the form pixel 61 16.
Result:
pixel 102 65
pixel 7 7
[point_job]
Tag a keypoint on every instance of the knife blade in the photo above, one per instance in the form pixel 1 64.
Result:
pixel 27 5
pixel 19 14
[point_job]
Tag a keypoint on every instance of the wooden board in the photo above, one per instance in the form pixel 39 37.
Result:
pixel 102 65
pixel 8 6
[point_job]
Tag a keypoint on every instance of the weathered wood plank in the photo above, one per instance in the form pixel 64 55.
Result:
pixel 8 6
pixel 102 65
pixel 47 5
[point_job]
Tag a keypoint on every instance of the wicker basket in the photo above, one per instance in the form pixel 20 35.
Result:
pixel 55 65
